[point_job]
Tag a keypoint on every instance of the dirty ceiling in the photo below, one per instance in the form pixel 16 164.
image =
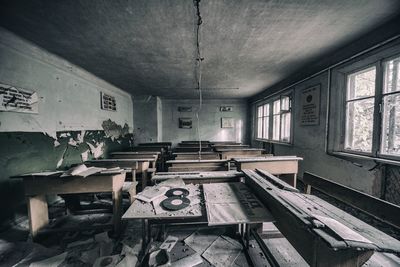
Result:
pixel 148 46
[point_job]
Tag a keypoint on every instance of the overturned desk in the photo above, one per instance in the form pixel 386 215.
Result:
pixel 38 185
pixel 276 165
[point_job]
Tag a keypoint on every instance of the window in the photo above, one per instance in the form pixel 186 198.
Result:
pixel 263 121
pixel 390 144
pixel 274 119
pixel 365 108
pixel 360 98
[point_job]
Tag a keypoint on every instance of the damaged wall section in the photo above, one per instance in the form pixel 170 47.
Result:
pixel 70 126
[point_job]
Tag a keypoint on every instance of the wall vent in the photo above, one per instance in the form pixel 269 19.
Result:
pixel 108 102
pixel 18 99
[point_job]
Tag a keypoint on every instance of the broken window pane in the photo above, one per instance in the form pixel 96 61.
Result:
pixel 359 125
pixel 392 76
pixel 361 84
pixel 391 125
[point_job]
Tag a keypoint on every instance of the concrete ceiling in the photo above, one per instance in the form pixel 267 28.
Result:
pixel 148 46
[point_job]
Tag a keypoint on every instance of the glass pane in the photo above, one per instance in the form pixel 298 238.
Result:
pixel 266 128
pixel 285 127
pixel 266 110
pixel 259 127
pixel 361 84
pixel 359 124
pixel 285 103
pixel 276 127
pixel 391 125
pixel 260 111
pixel 392 76
pixel 277 107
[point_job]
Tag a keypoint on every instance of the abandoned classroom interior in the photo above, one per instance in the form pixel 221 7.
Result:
pixel 200 133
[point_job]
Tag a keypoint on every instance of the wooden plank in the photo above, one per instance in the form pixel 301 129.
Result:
pixel 269 158
pixel 230 154
pixel 197 157
pixel 378 208
pixel 38 213
pixel 276 181
pixel 197 161
pixel 134 156
pixel 192 149
pixel 298 227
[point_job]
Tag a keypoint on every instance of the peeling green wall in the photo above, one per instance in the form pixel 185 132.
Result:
pixel 69 118
pixel 23 152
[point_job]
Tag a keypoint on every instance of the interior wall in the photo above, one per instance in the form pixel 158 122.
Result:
pixel 70 125
pixel 209 118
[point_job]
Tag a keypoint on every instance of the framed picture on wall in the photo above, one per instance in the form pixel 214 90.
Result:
pixel 227 122
pixel 185 123
pixel 225 108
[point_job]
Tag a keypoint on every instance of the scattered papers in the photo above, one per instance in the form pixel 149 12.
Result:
pixel 188 261
pixel 82 171
pixel 222 252
pixel 45 173
pixel 200 240
pixel 152 193
pixel 169 243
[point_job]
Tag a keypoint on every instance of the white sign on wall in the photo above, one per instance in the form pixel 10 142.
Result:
pixel 310 98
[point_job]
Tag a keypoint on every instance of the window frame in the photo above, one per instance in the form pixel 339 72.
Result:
pixel 270 101
pixel 337 106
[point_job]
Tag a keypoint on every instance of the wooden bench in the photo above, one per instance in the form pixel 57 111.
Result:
pixel 379 209
pixel 198 165
pixel 276 165
pixel 227 146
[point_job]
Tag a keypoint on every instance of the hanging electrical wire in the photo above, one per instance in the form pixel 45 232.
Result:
pixel 199 59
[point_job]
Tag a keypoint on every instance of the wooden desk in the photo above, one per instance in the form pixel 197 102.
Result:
pixel 195 155
pixel 193 149
pixel 227 146
pixel 199 177
pixel 229 153
pixel 198 165
pixel 137 155
pixel 323 234
pixel 142 165
pixel 37 187
pixel 276 165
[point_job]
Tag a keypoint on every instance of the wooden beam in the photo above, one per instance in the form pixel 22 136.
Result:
pixel 378 208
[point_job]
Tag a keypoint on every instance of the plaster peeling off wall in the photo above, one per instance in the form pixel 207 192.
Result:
pixel 22 152
pixel 114 130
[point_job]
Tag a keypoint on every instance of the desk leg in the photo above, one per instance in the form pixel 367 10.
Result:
pixel 38 213
pixel 294 179
pixel 145 234
pixel 117 210
pixel 144 179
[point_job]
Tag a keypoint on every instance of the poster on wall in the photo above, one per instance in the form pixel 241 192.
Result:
pixel 227 122
pixel 310 98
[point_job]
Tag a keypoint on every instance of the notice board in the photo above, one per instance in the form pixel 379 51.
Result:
pixel 310 104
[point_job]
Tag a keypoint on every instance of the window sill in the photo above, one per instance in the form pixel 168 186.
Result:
pixel 350 155
pixel 274 142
